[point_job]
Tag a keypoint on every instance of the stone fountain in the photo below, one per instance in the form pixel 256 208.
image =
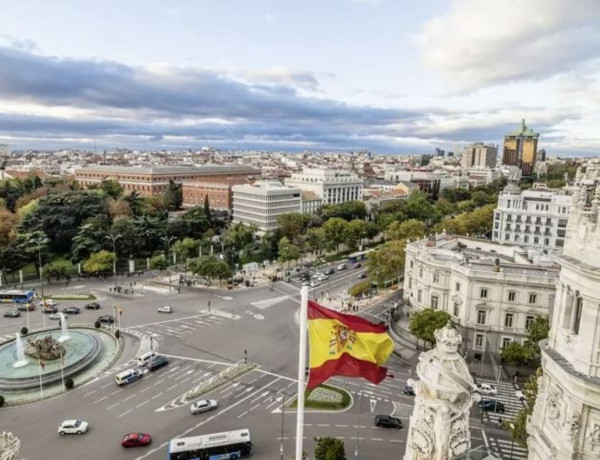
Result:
pixel 21 360
pixel 46 348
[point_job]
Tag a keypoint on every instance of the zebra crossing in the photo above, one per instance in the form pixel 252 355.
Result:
pixel 6 338
pixel 178 328
pixel 507 449
pixel 506 395
pixel 266 303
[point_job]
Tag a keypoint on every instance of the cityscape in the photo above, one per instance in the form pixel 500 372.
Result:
pixel 363 229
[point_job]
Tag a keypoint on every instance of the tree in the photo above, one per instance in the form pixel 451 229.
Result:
pixel 8 223
pixel 159 262
pixel 209 267
pixel 315 239
pixel 99 263
pixel 515 354
pixel 538 330
pixel 288 251
pixel 129 242
pixel 293 224
pixel 419 207
pixel 356 230
pixel 55 270
pixel 207 209
pixel 348 210
pixel 239 235
pixel 425 322
pixel 186 248
pixel 173 196
pixel 335 232
pixel 330 449
pixel 387 262
pixel 118 208
pixel 193 224
pixel 518 430
pixel 112 188
pixel 90 238
pixel 409 229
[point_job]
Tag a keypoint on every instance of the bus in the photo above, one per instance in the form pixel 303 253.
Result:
pixel 228 445
pixel 15 296
pixel 358 256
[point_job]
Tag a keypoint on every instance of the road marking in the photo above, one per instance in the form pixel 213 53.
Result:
pixel 101 399
pixel 115 392
pixel 166 321
pixel 145 389
pixel 242 392
pixel 253 407
pixel 323 424
pixel 125 413
pixel 242 414
pixel 129 397
pixel 159 382
pixel 485 440
pixel 261 396
pixel 341 426
pixel 142 403
pixel 156 396
pixel 376 439
pixel 396 440
pixel 184 380
pixel 114 405
pixel 90 392
pixel 170 388
pixel 104 386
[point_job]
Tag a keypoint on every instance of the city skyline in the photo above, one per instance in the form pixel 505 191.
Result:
pixel 388 76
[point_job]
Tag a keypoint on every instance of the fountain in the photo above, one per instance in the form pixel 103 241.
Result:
pixel 21 360
pixel 64 336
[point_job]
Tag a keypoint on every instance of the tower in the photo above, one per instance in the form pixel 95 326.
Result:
pixel 565 423
pixel 520 149
pixel 439 424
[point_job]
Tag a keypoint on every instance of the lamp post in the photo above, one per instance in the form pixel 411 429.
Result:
pixel 512 444
pixel 39 242
pixel 282 421
pixel 168 240
pixel 358 426
pixel 114 237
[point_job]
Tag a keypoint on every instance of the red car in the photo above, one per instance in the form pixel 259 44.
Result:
pixel 136 440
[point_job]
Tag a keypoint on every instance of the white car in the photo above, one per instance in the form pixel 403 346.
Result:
pixel 487 389
pixel 73 427
pixel 54 316
pixel 165 309
pixel 48 303
pixel 314 283
pixel 203 405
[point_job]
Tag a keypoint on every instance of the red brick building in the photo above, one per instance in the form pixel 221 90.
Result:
pixel 219 192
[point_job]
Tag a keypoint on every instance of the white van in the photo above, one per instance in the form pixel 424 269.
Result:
pixel 128 376
pixel 143 359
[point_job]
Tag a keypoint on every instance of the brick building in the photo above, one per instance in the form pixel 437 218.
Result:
pixel 220 195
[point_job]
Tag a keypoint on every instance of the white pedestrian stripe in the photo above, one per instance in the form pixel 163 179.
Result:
pixel 262 304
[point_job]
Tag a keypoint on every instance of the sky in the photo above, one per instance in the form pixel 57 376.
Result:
pixel 390 76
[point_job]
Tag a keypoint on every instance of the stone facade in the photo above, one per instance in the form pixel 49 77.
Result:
pixel 566 418
pixel 333 186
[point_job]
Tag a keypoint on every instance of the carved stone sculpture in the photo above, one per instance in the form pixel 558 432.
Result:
pixel 9 446
pixel 46 348
pixel 594 437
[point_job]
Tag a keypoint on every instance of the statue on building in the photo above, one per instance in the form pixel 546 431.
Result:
pixel 9 446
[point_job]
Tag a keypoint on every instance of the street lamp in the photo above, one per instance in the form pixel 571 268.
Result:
pixel 39 242
pixel 168 240
pixel 114 237
pixel 512 444
pixel 358 425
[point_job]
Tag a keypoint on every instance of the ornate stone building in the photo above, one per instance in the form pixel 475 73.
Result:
pixel 565 423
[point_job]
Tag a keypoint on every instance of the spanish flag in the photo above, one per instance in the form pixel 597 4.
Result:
pixel 345 345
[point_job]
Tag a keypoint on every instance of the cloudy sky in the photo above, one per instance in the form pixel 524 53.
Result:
pixel 394 76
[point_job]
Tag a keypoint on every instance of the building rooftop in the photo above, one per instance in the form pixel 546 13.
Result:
pixel 203 169
pixel 308 195
pixel 523 131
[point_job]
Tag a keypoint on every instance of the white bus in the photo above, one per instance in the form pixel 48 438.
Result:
pixel 228 445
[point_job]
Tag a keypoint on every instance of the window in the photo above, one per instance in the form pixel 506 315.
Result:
pixel 420 272
pixel 436 278
pixel 481 316
pixel 508 320
pixel 419 295
pixel 483 293
pixel 434 302
pixel 412 264
pixel 457 287
pixel 512 295
pixel 578 309
pixel 409 282
pixel 479 340
pixel 506 341
pixel 506 236
pixel 526 238
pixel 528 321
pixel 456 309
pixel 532 298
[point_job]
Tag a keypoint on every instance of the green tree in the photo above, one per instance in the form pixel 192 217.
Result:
pixel 315 239
pixel 288 251
pixel 207 209
pixel 186 248
pixel 8 226
pixel 54 270
pixel 112 188
pixel 348 210
pixel 239 235
pixel 209 268
pixel 193 224
pixel 538 330
pixel 409 229
pixel 387 262
pixel 419 207
pixel 90 238
pixel 424 323
pixel 356 230
pixel 335 232
pixel 329 449
pixel 515 354
pixel 173 196
pixel 293 224
pixel 159 262
pixel 135 202
pixel 129 242
pixel 99 262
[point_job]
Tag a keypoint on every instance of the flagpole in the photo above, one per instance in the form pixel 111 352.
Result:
pixel 301 371
pixel 62 368
pixel 40 372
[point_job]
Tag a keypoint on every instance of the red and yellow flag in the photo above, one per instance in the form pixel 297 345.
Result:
pixel 345 345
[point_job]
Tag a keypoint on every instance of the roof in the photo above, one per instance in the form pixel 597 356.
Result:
pixel 203 169
pixel 309 195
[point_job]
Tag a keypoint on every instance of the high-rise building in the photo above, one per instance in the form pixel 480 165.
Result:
pixel 520 149
pixel 479 156
pixel 565 423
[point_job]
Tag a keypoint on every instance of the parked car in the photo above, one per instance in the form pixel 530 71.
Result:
pixel 491 405
pixel 157 362
pixel 357 265
pixel 54 316
pixel 363 275
pixel 50 309
pixel 26 307
pixel 106 319
pixel 387 421
pixel 341 267
pixel 92 306
pixel 203 405
pixel 12 314
pixel 71 310
pixel 48 303
pixel 329 271
pixel 487 389
pixel 165 309
pixel 136 440
pixel 73 427
pixel 408 390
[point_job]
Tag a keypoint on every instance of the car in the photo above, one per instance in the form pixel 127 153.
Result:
pixel 136 440
pixel 387 421
pixel 315 283
pixel 73 427
pixel 12 314
pixel 491 405
pixel 305 283
pixel 50 309
pixel 157 362
pixel 203 405
pixel 26 307
pixel 165 309
pixel 341 267
pixel 106 319
pixel 322 277
pixel 128 376
pixel 486 389
pixel 408 390
pixel 54 316
pixel 71 310
pixel 48 303
pixel 357 265
pixel 520 395
pixel 363 275
pixel 329 271
pixel 92 306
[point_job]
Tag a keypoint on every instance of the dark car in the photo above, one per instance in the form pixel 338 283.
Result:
pixel 408 390
pixel 71 310
pixel 491 405
pixel 362 276
pixel 106 319
pixel 157 362
pixel 50 309
pixel 357 265
pixel 387 421
pixel 26 307
pixel 329 271
pixel 92 306
pixel 12 314
pixel 136 440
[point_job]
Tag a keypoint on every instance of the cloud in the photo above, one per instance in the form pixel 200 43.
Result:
pixel 480 43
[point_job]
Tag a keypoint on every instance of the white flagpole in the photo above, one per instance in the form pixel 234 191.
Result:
pixel 301 371
pixel 62 368
pixel 41 388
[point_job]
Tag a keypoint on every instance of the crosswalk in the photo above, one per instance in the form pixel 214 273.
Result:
pixel 507 449
pixel 266 303
pixel 178 328
pixel 506 395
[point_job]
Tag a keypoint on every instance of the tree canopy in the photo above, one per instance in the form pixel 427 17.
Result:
pixel 424 323
pixel 99 262
pixel 330 449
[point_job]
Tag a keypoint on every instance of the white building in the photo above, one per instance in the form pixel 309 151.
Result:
pixel 333 186
pixel 565 423
pixel 532 219
pixel 479 156
pixel 259 204
pixel 311 202
pixel 492 291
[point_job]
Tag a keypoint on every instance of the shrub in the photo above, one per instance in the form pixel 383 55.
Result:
pixel 24 330
pixel 359 289
pixel 1 400
pixel 69 383
pixel 97 324
pixel 117 334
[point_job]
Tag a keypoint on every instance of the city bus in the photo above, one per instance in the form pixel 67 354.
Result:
pixel 358 256
pixel 228 445
pixel 14 296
